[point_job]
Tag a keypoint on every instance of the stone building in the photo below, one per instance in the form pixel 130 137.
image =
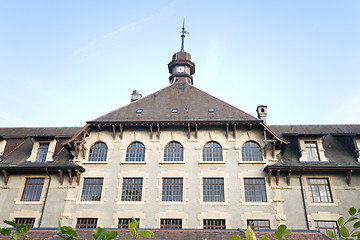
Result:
pixel 180 158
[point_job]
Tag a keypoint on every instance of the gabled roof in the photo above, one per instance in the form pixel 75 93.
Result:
pixel 191 103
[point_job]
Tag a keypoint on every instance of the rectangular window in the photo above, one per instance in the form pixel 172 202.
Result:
pixel 213 190
pixel 323 226
pixel 255 190
pixel 258 224
pixel 312 152
pixel 86 223
pixel 26 221
pixel 319 190
pixel 32 190
pixel 42 152
pixel 92 189
pixel 171 223
pixel 124 222
pixel 214 224
pixel 132 189
pixel 172 189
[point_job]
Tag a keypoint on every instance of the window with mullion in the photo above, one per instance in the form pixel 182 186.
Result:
pixel 324 226
pixel 86 223
pixel 42 152
pixel 213 190
pixel 212 151
pixel 312 152
pixel 135 152
pixel 214 224
pixel 172 190
pixel 98 152
pixel 124 222
pixel 174 152
pixel 25 221
pixel 258 224
pixel 32 190
pixel 171 223
pixel 319 190
pixel 251 151
pixel 255 190
pixel 132 189
pixel 92 189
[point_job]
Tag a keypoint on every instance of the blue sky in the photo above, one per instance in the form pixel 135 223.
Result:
pixel 63 63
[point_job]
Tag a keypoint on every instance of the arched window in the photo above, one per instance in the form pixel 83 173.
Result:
pixel 251 151
pixel 98 152
pixel 174 152
pixel 212 151
pixel 135 152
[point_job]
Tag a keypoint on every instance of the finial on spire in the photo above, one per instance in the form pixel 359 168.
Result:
pixel 183 32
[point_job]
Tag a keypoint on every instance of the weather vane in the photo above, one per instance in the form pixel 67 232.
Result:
pixel 183 32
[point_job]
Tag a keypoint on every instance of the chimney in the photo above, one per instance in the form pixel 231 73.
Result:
pixel 262 112
pixel 135 96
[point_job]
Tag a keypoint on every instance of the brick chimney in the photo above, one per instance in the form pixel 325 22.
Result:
pixel 135 96
pixel 262 112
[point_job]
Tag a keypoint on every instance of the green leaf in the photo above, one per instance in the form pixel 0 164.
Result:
pixel 352 219
pixel 330 233
pixel 235 238
pixel 147 234
pixel 264 238
pixel 249 233
pixel 11 223
pixel 287 233
pixel 357 224
pixel 5 232
pixel 344 231
pixel 355 234
pixel 17 235
pixel 24 228
pixel 98 233
pixel 133 231
pixel 281 228
pixel 352 211
pixel 340 221
pixel 110 235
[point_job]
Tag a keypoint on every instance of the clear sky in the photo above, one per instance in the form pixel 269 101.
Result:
pixel 63 63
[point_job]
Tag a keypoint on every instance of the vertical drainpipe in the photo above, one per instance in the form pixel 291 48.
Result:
pixel 303 200
pixel 46 194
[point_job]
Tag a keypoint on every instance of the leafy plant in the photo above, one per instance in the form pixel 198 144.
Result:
pixel 133 226
pixel 279 234
pixel 344 233
pixel 20 231
pixel 66 232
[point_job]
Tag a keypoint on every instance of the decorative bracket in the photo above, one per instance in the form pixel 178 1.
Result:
pixel 61 177
pixel 277 177
pixel 269 177
pixel 288 178
pixel 6 177
pixel 70 176
pixel 78 173
pixel 348 177
pixel 121 131
pixel 114 132
pixel 151 131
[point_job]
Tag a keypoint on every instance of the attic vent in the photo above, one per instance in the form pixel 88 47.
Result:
pixel 211 110
pixel 139 111
pixel 174 110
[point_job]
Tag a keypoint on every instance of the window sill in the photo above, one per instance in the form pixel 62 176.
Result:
pixel 133 163
pixel 324 204
pixel 256 203
pixel 212 162
pixel 29 202
pixel 162 203
pixel 172 162
pixel 90 202
pixel 96 163
pixel 215 203
pixel 130 202
pixel 252 162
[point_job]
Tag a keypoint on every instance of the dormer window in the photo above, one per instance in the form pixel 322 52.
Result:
pixel 211 110
pixel 42 152
pixel 312 152
pixel 139 111
pixel 174 110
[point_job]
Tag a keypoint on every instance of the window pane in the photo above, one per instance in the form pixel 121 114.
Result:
pixel 214 224
pixel 132 189
pixel 172 189
pixel 312 151
pixel 171 223
pixel 212 151
pixel 92 189
pixel 251 151
pixel 213 190
pixel 319 190
pixel 135 152
pixel 42 152
pixel 86 223
pixel 98 152
pixel 32 190
pixel 174 151
pixel 258 224
pixel 255 190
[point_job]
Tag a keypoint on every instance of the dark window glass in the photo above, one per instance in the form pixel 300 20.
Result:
pixel 172 189
pixel 251 151
pixel 124 222
pixel 213 190
pixel 135 152
pixel 92 189
pixel 174 152
pixel 214 224
pixel 312 152
pixel 86 223
pixel 98 152
pixel 319 190
pixel 42 152
pixel 323 226
pixel 25 221
pixel 258 224
pixel 171 223
pixel 255 190
pixel 212 151
pixel 32 190
pixel 132 189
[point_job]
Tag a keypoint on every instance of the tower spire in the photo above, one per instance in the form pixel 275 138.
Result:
pixel 183 32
